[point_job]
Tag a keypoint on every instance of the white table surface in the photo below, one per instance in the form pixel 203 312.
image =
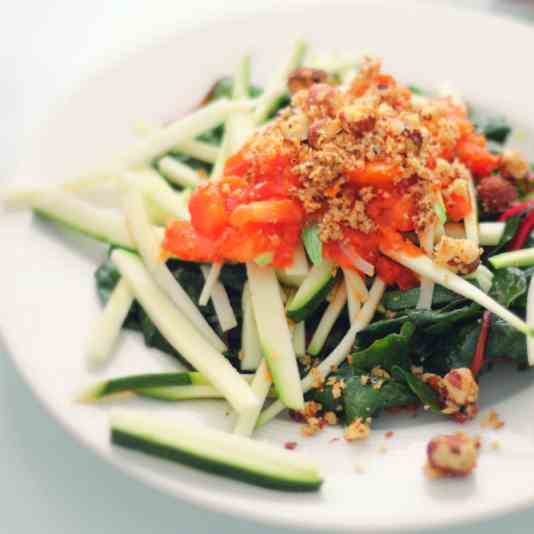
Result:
pixel 48 483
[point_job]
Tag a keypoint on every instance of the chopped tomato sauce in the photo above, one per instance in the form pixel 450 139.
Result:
pixel 253 208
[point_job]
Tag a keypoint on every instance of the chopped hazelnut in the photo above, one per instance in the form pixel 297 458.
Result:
pixel 357 430
pixel 453 455
pixel 304 78
pixel 514 164
pixel 496 193
pixel 459 255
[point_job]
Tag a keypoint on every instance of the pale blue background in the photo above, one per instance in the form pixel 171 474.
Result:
pixel 48 483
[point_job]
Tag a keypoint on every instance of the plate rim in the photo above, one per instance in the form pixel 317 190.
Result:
pixel 202 497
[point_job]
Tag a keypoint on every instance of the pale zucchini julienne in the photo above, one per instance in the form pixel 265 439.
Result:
pixel 424 266
pixel 107 328
pixel 338 355
pixel 66 209
pixel 182 335
pixel 274 334
pixel 250 341
pixel 149 248
pixel 261 384
pixel 338 299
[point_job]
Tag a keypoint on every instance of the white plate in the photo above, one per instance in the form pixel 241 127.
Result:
pixel 48 296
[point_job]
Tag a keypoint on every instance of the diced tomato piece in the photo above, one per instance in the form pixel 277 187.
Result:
pixel 237 165
pixel 395 212
pixel 457 207
pixel 391 240
pixel 208 211
pixel 183 241
pixel 267 212
pixel 473 153
pixel 392 273
pixel 242 246
pixel 376 173
pixel 289 238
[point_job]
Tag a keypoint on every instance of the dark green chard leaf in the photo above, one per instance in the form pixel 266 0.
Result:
pixel 440 354
pixel 494 127
pixel 437 322
pixel 400 300
pixel 313 244
pixel 508 285
pixel 506 342
pixel 521 301
pixel 379 329
pixel 416 90
pixel 422 391
pixel 386 352
pixel 362 400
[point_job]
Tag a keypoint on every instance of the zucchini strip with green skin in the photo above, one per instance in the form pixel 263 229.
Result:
pixel 182 335
pixel 312 291
pixel 277 85
pixel 105 388
pixel 178 393
pixel 261 384
pixel 149 248
pixel 274 334
pixel 221 303
pixel 179 173
pixel 338 355
pixel 330 315
pixel 424 266
pixel 250 341
pixel 67 210
pixel 516 258
pixel 186 442
pixel 164 386
pixel 107 328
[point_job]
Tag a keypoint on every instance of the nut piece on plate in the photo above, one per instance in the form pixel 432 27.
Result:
pixel 458 392
pixel 459 255
pixel 452 455
pixel 304 78
pixel 357 430
pixel 496 193
pixel 514 164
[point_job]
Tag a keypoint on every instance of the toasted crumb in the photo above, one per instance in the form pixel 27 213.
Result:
pixel 389 434
pixel 492 420
pixel 357 430
pixel 330 418
pixel 290 445
pixel 318 379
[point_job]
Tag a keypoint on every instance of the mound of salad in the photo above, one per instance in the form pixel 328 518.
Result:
pixel 336 244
